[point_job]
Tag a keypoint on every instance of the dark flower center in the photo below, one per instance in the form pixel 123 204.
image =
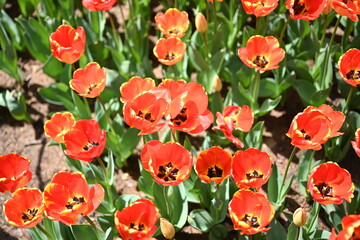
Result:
pixel 89 145
pixel 75 200
pixel 356 234
pixel 324 189
pixel 214 172
pixel 91 88
pixel 167 172
pixel 174 31
pixel 251 221
pixel 180 118
pixel 305 135
pixel 29 215
pixel 170 56
pixel 138 227
pixel 146 116
pixel 253 174
pixel 299 7
pixel 353 74
pixel 260 61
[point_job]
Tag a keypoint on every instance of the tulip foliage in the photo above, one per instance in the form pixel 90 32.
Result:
pixel 183 91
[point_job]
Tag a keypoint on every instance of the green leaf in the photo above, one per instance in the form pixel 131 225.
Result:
pixel 128 142
pixel 253 138
pixel 16 103
pixel 267 106
pixel 292 232
pixel 318 98
pixel 82 107
pixel 305 90
pixel 53 68
pixel 27 7
pixel 201 220
pixel 218 232
pixel 302 176
pixel 125 200
pixel 82 232
pixel 179 203
pixel 274 184
pixel 277 231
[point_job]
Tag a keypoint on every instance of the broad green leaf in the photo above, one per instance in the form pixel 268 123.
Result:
pixel 125 200
pixel 201 220
pixel 292 232
pixel 15 102
pixel 268 105
pixel 217 232
pixel 82 232
pixel 274 184
pixel 277 231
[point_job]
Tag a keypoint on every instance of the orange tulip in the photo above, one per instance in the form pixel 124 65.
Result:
pixel 262 53
pixel 170 163
pixel 201 23
pixel 135 86
pixel 213 1
pixel 137 221
pixel 68 44
pixel 305 9
pixel 14 172
pixel 68 196
pixel 250 212
pixel 145 113
pixel 315 126
pixel 349 8
pixel 356 143
pixel 172 23
pixel 251 168
pixel 98 5
pixel 57 126
pixel 330 184
pixel 234 117
pixel 85 140
pixel 259 7
pixel 328 7
pixel 213 164
pixel 188 107
pixel 351 228
pixel 89 81
pixel 25 209
pixel 169 51
pixel 349 67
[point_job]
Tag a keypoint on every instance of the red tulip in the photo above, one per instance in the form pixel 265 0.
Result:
pixel 25 209
pixel 347 8
pixel 169 51
pixel 135 86
pixel 356 143
pixel 68 196
pixel 172 23
pixel 85 140
pixel 14 172
pixel 349 67
pixel 98 5
pixel 57 126
pixel 351 228
pixel 262 53
pixel 315 126
pixel 305 9
pixel 250 212
pixel 329 184
pixel 234 117
pixel 259 7
pixel 251 168
pixel 68 44
pixel 170 163
pixel 89 81
pixel 137 221
pixel 213 164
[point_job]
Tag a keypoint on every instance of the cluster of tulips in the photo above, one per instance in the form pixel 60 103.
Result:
pixel 183 107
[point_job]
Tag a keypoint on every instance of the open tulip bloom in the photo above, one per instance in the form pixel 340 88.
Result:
pixel 134 87
pixel 349 67
pixel 14 172
pixel 25 209
pixel 98 5
pixel 305 9
pixel 169 51
pixel 348 9
pixel 172 23
pixel 68 196
pixel 58 125
pixel 259 7
pixel 356 144
pixel 68 44
pixel 350 228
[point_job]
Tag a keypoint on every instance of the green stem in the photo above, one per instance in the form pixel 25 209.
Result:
pixel 115 32
pixel 314 219
pixel 310 162
pixel 207 9
pixel 346 109
pixel 287 168
pixel 102 165
pixel 206 45
pixel 255 88
pixel 324 33
pixel 44 232
pixel 175 136
pixel 167 201
pixel 96 230
pixel 327 56
pixel 174 71
pixel 215 17
pixel 257 26
pixel 106 115
pixel 297 233
pixel 283 31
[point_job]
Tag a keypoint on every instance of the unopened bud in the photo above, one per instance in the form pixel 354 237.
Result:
pixel 217 85
pixel 328 7
pixel 299 217
pixel 167 229
pixel 201 23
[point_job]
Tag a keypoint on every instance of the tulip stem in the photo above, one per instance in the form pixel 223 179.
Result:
pixel 175 135
pixel 283 31
pixel 207 9
pixel 206 45
pixel 174 71
pixel 292 155
pixel 102 165
pixel 255 89
pixel 167 201
pixel 215 17
pixel 310 162
pixel 315 217
pixel 96 230
pixel 346 109
pixel 44 232
pixel 324 33
pixel 115 32
pixel 106 115
pixel 327 56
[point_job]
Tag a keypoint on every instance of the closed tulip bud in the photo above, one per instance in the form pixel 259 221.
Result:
pixel 201 23
pixel 167 229
pixel 299 217
pixel 328 7
pixel 217 85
